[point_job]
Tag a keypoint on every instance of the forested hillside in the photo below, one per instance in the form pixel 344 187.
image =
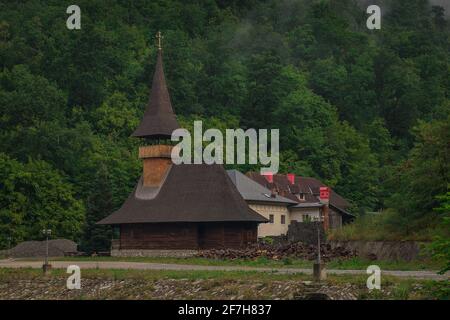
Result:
pixel 365 111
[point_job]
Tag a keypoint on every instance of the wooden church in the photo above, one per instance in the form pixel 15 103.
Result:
pixel 186 206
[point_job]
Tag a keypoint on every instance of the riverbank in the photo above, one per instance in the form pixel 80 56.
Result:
pixel 230 285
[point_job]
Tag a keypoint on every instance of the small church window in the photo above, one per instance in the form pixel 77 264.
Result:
pixel 283 219
pixel 271 218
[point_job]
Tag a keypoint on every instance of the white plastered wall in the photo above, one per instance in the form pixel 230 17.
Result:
pixel 298 213
pixel 276 228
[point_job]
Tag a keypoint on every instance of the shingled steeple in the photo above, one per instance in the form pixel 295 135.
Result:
pixel 159 119
pixel 185 206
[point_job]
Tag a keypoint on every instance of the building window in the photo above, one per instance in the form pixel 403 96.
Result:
pixel 283 219
pixel 271 218
pixel 306 218
pixel 301 196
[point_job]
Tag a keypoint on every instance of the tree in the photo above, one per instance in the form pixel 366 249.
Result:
pixel 346 99
pixel 305 121
pixel 358 168
pixel 265 91
pixel 35 196
pixel 116 117
pixel 440 247
pixel 99 204
pixel 27 100
pixel 422 177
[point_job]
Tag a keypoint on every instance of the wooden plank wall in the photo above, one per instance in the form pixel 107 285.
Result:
pixel 158 236
pixel 335 220
pixel 175 236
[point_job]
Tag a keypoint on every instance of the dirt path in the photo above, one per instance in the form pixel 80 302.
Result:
pixel 432 275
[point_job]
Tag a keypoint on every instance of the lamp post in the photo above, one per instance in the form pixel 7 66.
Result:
pixel 318 243
pixel 46 266
pixel 319 270
pixel 9 245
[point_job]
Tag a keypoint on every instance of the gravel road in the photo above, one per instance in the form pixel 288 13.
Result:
pixel 9 263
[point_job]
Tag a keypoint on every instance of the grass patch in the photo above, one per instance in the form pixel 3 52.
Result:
pixel 120 274
pixel 259 262
pixel 262 262
pixel 362 264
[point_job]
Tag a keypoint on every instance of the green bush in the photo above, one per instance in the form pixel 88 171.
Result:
pixel 382 227
pixel 267 240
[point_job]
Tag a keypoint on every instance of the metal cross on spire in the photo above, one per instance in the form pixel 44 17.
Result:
pixel 159 37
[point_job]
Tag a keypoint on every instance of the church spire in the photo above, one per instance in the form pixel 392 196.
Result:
pixel 159 119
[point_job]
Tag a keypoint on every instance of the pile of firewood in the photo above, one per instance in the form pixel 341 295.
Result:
pixel 296 250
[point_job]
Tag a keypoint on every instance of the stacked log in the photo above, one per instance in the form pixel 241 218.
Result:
pixel 297 250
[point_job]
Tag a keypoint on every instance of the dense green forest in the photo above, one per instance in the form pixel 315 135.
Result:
pixel 365 111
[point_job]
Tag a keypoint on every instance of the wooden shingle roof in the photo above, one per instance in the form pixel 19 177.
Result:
pixel 190 193
pixel 159 120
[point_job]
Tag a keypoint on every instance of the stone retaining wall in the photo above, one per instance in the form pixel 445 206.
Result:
pixel 305 232
pixel 384 250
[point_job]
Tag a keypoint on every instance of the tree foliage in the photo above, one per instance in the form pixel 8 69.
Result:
pixel 365 111
pixel 35 196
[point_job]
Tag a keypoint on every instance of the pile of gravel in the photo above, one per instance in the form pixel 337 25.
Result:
pixel 32 249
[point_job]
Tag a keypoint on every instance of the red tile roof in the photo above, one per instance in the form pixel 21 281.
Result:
pixel 305 185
